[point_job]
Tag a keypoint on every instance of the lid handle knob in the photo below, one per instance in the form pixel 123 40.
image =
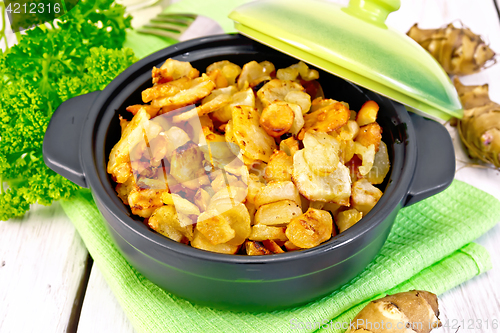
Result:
pixel 373 11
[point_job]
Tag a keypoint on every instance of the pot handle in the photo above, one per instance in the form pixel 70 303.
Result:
pixel 61 144
pixel 435 167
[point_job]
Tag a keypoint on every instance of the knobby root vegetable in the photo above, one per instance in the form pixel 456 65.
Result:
pixel 458 50
pixel 480 127
pixel 412 311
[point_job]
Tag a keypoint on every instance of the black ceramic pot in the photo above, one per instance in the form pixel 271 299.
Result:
pixel 84 129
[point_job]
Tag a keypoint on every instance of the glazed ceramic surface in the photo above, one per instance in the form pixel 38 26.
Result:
pixel 354 43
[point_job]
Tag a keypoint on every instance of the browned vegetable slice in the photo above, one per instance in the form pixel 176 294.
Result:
pixel 181 204
pixel 215 227
pixel 279 168
pixel 172 224
pixel 138 130
pixel 291 247
pixel 227 68
pixel 186 165
pixel 144 202
pixel 321 152
pixel 327 119
pixel 149 109
pixel 310 229
pixel 333 187
pixel 277 191
pixel 367 114
pixel 254 72
pixel 277 90
pixel 261 232
pixel 381 165
pixel 201 242
pixel 256 248
pixel 165 89
pixel 277 213
pixel 123 189
pixel 172 70
pixel 272 246
pixel 290 146
pixel 370 134
pixel 193 92
pixel 347 219
pixel 364 196
pixel 251 137
pixel 277 119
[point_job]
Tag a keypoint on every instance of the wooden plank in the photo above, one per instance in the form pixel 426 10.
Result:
pixel 43 265
pixel 101 311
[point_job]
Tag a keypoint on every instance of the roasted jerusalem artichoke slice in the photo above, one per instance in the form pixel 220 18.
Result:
pixel 279 168
pixel 310 229
pixel 277 119
pixel 277 90
pixel 367 156
pixel 186 165
pixel 172 70
pixel 333 187
pixel 261 232
pixel 277 213
pixel 367 114
pixel 253 72
pixel 277 191
pixel 321 152
pixel 243 97
pixel 123 189
pixel 370 134
pixel 144 202
pixel 381 165
pixel 364 196
pixel 172 224
pixel 229 70
pixel 201 242
pixel 250 136
pixel 215 227
pixel 256 249
pixel 197 89
pixel 237 217
pixel 347 219
pixel 181 205
pixel 327 119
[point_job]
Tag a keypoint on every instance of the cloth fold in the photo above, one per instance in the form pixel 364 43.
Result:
pixel 428 248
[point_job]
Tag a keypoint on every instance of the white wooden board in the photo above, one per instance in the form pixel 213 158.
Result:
pixel 42 263
pixel 101 311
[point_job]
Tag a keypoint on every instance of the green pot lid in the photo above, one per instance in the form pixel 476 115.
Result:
pixel 354 43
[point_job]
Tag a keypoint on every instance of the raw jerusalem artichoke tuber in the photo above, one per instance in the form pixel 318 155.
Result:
pixel 407 312
pixel 480 127
pixel 458 50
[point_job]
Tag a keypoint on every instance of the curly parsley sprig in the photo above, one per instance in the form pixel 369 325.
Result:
pixel 79 53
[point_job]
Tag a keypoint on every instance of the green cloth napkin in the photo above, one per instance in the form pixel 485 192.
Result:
pixel 428 248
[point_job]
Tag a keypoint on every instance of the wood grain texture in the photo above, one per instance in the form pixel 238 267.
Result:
pixel 42 263
pixel 101 311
